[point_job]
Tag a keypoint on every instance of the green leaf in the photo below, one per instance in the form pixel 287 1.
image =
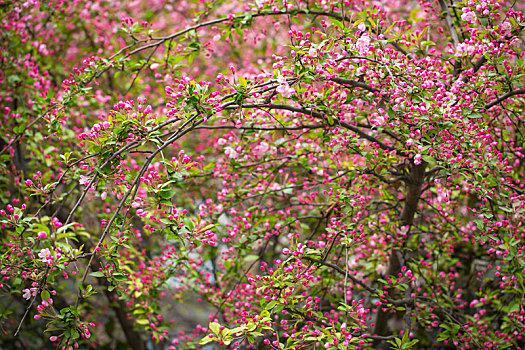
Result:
pixel 251 257
pixel 243 81
pixel 207 339
pixel 142 321
pixel 45 295
pixel 97 274
pixel 214 327
pixel 339 24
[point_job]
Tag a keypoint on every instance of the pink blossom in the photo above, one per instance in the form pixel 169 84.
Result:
pixel 230 152
pixel 285 90
pixel 363 44
pixel 381 269
pixel 27 294
pixel 261 149
pixel 41 234
pixel 46 256
pixel 84 180
pixel 417 159
pixel 469 16
pixel 464 49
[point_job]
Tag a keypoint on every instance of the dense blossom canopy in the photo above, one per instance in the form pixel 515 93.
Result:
pixel 267 174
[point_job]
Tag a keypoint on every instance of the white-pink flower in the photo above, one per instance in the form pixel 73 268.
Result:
pixel 84 180
pixel 27 294
pixel 275 186
pixel 45 255
pixel 464 49
pixel 417 159
pixel 230 152
pixel 363 44
pixel 381 269
pixel 403 230
pixel 505 27
pixel 284 88
pixel 261 149
pixel 469 16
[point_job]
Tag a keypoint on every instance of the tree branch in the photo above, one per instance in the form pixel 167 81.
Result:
pixel 354 83
pixel 503 98
pixel 319 115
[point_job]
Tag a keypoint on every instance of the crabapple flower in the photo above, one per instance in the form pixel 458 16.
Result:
pixel 505 27
pixel 363 44
pixel 465 50
pixel 230 152
pixel 468 15
pixel 84 180
pixel 381 269
pixel 27 294
pixel 261 149
pixel 41 234
pixel 284 88
pixel 417 159
pixel 403 230
pixel 45 255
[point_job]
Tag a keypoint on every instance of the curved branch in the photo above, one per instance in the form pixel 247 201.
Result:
pixel 450 23
pixel 371 290
pixel 319 115
pixel 503 98
pixel 354 83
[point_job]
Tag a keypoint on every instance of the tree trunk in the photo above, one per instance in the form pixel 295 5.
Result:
pixel 415 185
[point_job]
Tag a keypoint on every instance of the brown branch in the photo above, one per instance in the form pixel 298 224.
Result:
pixel 354 83
pixel 453 34
pixel 450 23
pixel 40 288
pixel 369 289
pixel 503 98
pixel 415 184
pixel 319 115
pixel 133 338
